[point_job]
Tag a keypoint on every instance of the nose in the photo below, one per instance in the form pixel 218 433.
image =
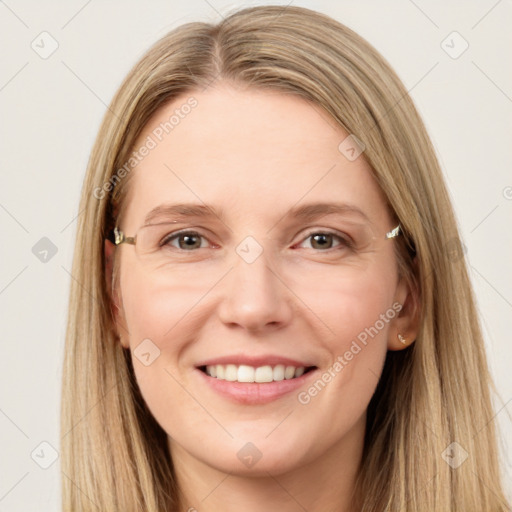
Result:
pixel 254 297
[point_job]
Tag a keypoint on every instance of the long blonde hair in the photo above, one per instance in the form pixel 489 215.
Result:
pixel 114 455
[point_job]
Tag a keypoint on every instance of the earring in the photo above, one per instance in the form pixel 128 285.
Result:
pixel 402 339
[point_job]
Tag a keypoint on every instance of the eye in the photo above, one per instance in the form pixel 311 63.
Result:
pixel 186 240
pixel 324 240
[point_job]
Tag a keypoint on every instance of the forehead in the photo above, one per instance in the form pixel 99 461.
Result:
pixel 250 152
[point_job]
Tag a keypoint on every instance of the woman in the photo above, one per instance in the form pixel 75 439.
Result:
pixel 272 310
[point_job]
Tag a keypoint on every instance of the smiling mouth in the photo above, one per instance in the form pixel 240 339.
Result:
pixel 261 374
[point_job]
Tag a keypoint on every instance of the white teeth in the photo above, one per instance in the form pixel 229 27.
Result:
pixel 231 372
pixel 245 373
pixel 289 372
pixel 263 374
pixel 279 372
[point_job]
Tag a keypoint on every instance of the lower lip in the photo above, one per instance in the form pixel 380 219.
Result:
pixel 252 393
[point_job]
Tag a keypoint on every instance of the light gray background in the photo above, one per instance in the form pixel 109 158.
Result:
pixel 50 112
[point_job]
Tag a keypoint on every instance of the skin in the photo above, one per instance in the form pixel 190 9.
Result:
pixel 257 154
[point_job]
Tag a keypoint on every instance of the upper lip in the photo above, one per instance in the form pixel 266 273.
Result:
pixel 255 361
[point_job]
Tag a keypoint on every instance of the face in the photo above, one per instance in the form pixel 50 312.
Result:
pixel 259 284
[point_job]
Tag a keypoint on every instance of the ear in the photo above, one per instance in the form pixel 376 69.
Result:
pixel 115 295
pixel 405 326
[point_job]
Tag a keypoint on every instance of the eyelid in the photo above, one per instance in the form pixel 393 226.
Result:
pixel 175 230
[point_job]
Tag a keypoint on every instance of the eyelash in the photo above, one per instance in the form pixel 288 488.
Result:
pixel 345 241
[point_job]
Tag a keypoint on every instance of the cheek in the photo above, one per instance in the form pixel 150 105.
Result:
pixel 155 318
pixel 162 321
pixel 160 311
pixel 358 310
pixel 348 307
pixel 358 314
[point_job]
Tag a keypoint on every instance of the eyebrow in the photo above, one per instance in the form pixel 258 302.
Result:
pixel 305 212
pixel 181 210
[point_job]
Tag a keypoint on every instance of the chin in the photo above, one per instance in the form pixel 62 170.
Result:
pixel 267 461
